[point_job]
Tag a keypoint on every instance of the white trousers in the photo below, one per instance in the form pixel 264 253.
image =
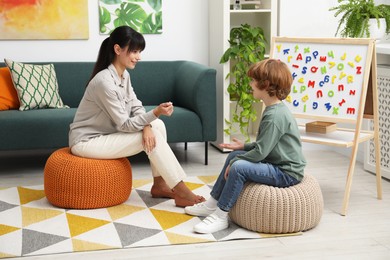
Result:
pixel 118 145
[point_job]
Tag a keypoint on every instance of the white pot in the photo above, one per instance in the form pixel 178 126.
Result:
pixel 375 32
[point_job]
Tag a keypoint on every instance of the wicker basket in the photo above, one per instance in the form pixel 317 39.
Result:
pixel 268 209
pixel 81 183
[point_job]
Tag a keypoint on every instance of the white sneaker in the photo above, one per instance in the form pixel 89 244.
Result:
pixel 200 210
pixel 211 224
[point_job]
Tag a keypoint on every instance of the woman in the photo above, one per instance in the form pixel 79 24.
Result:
pixel 111 122
pixel 274 159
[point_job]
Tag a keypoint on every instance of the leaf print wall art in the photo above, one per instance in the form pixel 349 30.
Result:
pixel 144 16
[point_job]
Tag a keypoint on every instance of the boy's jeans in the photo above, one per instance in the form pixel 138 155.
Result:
pixel 226 192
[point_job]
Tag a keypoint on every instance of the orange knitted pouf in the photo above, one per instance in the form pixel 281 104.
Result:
pixel 81 183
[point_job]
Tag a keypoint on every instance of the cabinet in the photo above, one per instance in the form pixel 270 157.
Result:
pixel 383 83
pixel 221 20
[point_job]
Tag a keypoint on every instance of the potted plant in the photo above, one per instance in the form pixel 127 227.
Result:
pixel 247 46
pixel 356 15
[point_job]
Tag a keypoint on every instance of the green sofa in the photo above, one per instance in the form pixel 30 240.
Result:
pixel 189 85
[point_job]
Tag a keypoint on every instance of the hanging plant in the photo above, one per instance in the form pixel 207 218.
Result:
pixel 247 46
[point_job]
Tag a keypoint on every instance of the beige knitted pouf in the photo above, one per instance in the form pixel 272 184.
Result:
pixel 272 210
pixel 81 183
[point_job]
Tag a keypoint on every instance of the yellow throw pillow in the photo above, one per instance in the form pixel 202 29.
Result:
pixel 8 95
pixel 36 85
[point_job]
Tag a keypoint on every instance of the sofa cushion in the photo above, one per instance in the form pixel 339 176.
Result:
pixel 36 85
pixel 8 96
pixel 182 126
pixel 35 129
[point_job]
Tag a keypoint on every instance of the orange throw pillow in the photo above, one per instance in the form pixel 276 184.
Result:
pixel 8 95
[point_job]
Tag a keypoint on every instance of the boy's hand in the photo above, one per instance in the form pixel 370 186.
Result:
pixel 235 145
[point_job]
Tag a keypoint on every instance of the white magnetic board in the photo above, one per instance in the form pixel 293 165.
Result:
pixel 330 76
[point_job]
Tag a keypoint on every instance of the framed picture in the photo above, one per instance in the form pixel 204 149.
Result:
pixel 144 16
pixel 43 19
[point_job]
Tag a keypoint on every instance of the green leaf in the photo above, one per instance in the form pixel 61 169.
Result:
pixel 155 4
pixel 104 18
pixel 149 26
pixel 111 2
pixel 132 15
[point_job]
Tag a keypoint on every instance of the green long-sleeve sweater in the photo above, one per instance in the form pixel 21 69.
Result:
pixel 278 142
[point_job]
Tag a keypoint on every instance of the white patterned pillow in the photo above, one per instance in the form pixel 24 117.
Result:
pixel 36 85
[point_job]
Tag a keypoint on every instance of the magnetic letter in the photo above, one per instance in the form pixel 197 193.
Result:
pixel 295 103
pixel 328 106
pixel 323 58
pixel 319 94
pixel 315 105
pixel 331 54
pixel 301 80
pixel 340 66
pixel 358 70
pixel 294 75
pixel 311 84
pixel 352 92
pixel 323 70
pixel 351 64
pixel 299 57
pixel 314 69
pixel 341 87
pixel 342 75
pixel 305 98
pixel 308 59
pixel 304 69
pixel 335 111
pixel 303 88
pixel 288 99
pixel 333 78
pixel 330 93
pixel 286 51
pixel 331 64
pixel 350 79
pixel 307 49
pixel 342 102
pixel 350 110
pixel 278 47
pixel 358 58
pixel 344 56
pixel 315 54
pixel 289 59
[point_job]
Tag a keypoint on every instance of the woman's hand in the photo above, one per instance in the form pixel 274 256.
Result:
pixel 148 139
pixel 165 109
pixel 235 145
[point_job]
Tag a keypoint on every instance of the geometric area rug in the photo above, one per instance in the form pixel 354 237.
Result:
pixel 30 225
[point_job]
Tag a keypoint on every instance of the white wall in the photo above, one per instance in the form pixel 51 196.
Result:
pixel 307 18
pixel 184 37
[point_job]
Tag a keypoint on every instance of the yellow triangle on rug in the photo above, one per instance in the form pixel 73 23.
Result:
pixel 30 225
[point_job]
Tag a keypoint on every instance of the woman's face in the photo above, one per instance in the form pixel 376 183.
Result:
pixel 128 59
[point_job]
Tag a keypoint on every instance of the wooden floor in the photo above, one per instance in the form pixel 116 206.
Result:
pixel 364 233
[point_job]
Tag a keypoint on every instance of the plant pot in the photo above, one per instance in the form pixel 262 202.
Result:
pixel 375 32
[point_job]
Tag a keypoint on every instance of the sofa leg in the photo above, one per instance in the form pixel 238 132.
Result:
pixel 185 146
pixel 206 153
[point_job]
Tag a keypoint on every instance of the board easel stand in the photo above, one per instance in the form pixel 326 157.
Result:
pixel 349 137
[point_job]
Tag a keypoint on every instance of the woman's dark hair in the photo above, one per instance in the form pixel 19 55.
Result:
pixel 273 76
pixel 123 36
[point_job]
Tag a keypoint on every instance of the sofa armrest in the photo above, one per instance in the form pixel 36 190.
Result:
pixel 195 89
